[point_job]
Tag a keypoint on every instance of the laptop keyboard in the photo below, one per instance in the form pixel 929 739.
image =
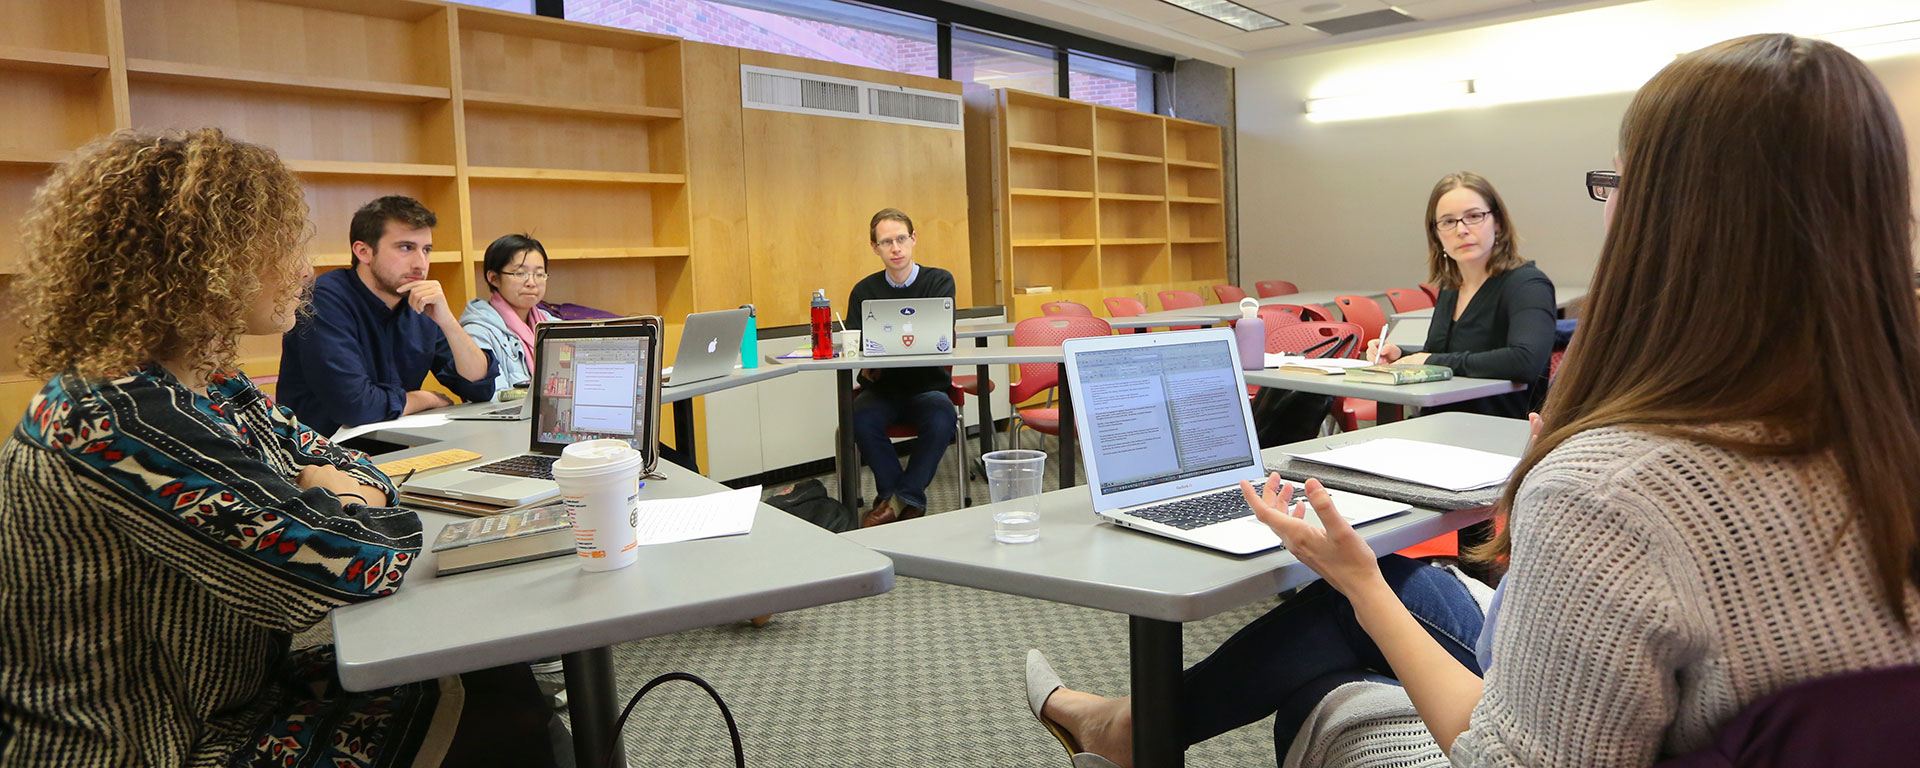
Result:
pixel 525 465
pixel 1207 509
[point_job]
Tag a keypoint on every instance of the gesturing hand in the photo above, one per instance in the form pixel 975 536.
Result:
pixel 1325 542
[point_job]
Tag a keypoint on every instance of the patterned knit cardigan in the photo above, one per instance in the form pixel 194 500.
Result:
pixel 157 557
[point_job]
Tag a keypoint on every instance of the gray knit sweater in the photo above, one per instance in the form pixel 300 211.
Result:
pixel 1658 586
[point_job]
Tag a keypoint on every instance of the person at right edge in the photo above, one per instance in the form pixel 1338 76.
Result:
pixel 1707 556
pixel 915 396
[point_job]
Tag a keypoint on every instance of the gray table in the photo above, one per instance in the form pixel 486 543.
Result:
pixel 981 356
pixel 1224 312
pixel 681 398
pixel 1156 582
pixel 1392 399
pixel 437 626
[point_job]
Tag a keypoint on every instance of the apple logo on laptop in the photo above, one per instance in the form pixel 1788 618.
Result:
pixel 713 345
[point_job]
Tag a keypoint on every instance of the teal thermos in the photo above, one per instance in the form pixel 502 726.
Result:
pixel 750 341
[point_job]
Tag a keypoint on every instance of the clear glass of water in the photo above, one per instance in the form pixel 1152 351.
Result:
pixel 1013 483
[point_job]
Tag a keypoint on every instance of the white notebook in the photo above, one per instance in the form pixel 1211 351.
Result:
pixel 1440 466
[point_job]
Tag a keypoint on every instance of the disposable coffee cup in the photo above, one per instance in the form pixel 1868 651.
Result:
pixel 600 484
pixel 849 342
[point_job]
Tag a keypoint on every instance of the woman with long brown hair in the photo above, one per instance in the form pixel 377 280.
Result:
pixel 164 529
pixel 1693 527
pixel 1494 316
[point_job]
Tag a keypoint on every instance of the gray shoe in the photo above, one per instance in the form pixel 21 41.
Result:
pixel 1041 683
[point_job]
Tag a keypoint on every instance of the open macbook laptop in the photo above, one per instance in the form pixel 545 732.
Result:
pixel 589 382
pixel 906 327
pixel 1167 437
pixel 709 346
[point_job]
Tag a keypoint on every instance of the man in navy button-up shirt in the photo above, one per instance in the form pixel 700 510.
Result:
pixel 377 328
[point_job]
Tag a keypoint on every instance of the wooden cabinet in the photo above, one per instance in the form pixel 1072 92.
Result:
pixel 499 122
pixel 1091 201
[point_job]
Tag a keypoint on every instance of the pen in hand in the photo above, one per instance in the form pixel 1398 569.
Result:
pixel 1382 348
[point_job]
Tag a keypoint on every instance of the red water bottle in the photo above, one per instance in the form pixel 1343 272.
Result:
pixel 822 326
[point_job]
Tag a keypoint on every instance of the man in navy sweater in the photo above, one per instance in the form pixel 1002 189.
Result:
pixel 377 328
pixel 913 396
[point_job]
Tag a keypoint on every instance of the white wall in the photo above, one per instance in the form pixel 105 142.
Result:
pixel 1336 205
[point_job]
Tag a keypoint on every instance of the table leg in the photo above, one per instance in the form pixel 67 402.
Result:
pixel 1069 450
pixel 591 696
pixel 849 482
pixel 1387 413
pixel 1157 674
pixel 986 402
pixel 683 437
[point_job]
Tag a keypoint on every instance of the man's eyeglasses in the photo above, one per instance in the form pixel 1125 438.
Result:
pixel 538 277
pixel 893 241
pixel 1601 184
pixel 1471 219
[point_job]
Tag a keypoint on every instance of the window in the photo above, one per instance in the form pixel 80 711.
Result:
pixel 517 6
pixel 1003 62
pixel 985 48
pixel 828 30
pixel 1098 81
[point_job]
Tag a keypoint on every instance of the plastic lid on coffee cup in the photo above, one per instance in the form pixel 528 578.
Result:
pixel 597 456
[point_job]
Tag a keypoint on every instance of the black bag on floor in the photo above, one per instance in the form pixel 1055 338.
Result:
pixel 808 500
pixel 1282 416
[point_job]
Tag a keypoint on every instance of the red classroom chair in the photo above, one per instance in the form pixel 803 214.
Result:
pixel 1268 289
pixel 1043 377
pixel 1054 308
pixel 1229 294
pixel 1125 306
pixel 1172 300
pixel 1408 299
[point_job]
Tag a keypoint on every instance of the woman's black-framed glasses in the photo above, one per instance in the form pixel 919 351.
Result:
pixel 1601 184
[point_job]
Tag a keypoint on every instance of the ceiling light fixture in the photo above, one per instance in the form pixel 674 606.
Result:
pixel 1230 13
pixel 1877 41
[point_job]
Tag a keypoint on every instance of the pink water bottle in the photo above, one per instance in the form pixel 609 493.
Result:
pixel 822 326
pixel 1250 333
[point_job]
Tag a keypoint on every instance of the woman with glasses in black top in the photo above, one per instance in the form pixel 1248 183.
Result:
pixel 1494 317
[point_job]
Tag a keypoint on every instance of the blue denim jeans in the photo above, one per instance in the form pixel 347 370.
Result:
pixel 932 418
pixel 1288 660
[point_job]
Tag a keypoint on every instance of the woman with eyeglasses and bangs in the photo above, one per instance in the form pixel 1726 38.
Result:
pixel 1494 317
pixel 515 267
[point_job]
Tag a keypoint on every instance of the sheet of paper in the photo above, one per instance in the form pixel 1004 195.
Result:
pixel 1441 466
pixel 415 421
pixel 1277 359
pixel 725 513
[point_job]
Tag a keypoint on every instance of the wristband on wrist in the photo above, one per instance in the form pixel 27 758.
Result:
pixel 363 499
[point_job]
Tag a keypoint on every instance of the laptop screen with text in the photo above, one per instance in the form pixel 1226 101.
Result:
pixel 593 388
pixel 1163 413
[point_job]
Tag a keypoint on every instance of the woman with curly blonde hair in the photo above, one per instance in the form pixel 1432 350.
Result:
pixel 166 529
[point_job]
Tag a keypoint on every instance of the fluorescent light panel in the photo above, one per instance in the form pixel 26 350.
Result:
pixel 1230 13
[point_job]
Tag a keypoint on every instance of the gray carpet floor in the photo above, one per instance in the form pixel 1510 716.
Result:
pixel 927 674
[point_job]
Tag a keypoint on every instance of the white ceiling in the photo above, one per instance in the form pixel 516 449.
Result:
pixel 1164 28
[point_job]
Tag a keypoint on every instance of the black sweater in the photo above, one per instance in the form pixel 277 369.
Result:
pixel 1506 332
pixel 931 283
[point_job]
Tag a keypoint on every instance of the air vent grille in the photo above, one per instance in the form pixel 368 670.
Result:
pixel 806 93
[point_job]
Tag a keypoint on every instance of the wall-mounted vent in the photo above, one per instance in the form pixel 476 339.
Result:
pixel 782 90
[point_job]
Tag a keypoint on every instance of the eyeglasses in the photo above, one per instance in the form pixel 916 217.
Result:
pixel 1471 219
pixel 893 241
pixel 537 277
pixel 1601 184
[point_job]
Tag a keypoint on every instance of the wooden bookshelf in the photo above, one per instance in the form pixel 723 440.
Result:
pixel 498 122
pixel 1094 202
